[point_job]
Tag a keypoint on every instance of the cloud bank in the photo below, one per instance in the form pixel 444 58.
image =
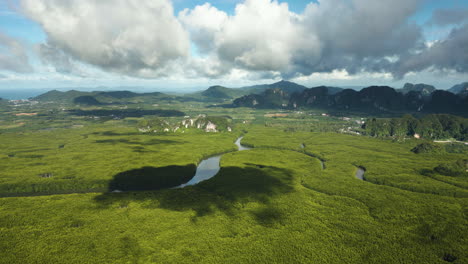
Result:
pixel 263 38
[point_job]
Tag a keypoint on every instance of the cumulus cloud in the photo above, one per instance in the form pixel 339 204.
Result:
pixel 134 37
pixel 264 35
pixel 360 35
pixel 13 56
pixel 55 57
pixel 143 38
pixel 448 54
pixel 203 22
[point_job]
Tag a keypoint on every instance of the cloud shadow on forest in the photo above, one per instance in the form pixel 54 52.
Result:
pixel 228 191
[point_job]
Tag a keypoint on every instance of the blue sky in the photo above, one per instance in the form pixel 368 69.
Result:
pixel 212 48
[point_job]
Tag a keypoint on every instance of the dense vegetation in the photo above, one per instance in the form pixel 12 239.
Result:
pixel 429 127
pixel 457 168
pixel 293 198
pixel 88 158
pixel 269 204
pixel 427 147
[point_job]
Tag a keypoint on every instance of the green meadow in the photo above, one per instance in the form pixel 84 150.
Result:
pixel 274 203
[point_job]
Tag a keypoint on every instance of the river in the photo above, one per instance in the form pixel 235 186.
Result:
pixel 360 173
pixel 209 167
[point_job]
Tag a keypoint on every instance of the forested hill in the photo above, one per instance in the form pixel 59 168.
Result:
pixel 433 126
pixel 373 99
pixel 411 98
pixel 221 92
pixel 100 97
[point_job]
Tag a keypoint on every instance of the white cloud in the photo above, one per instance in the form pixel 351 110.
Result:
pixel 134 37
pixel 13 55
pixel 203 22
pixel 263 35
pixel 262 39
pixel 360 34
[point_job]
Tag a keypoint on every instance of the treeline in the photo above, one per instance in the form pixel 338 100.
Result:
pixel 434 126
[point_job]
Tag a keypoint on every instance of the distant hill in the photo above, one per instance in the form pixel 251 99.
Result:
pixel 317 97
pixel 251 100
pixel 334 90
pixel 373 99
pixel 459 88
pixel 222 92
pixel 100 97
pixel 383 98
pixel 278 97
pixel 118 94
pixel 425 89
pixel 86 100
pixel 444 101
pixel 286 86
pixel 127 94
pixel 57 96
pixel 270 98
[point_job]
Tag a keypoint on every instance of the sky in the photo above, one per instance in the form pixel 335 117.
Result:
pixel 184 45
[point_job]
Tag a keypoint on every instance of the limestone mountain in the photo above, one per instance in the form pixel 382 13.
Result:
pixel 221 92
pixel 373 99
pixel 459 88
pixel 424 89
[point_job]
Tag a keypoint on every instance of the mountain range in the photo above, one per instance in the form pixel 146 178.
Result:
pixel 285 94
pixel 99 97
pixel 381 99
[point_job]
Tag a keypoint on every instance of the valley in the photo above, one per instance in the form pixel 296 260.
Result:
pixel 166 182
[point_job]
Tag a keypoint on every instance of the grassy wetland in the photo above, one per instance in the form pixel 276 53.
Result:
pixel 233 132
pixel 292 198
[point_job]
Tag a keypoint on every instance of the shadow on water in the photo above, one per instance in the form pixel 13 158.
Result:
pixel 228 192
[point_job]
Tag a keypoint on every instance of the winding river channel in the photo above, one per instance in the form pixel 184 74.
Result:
pixel 360 173
pixel 209 167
